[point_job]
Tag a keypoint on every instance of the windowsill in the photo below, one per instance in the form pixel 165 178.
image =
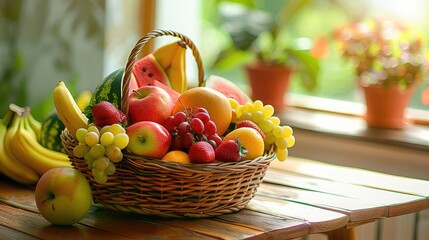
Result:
pixel 412 136
pixel 345 139
pixel 419 117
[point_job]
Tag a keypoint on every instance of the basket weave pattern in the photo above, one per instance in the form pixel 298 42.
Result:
pixel 156 187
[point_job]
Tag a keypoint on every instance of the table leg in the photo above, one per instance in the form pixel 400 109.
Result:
pixel 342 234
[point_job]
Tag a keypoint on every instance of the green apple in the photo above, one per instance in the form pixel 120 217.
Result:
pixel 63 196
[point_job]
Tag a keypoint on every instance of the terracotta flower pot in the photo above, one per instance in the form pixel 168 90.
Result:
pixel 386 106
pixel 269 83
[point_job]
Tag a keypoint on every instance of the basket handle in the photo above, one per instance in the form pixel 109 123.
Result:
pixel 138 47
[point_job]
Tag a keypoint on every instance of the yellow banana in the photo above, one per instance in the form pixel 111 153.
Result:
pixel 37 146
pixel 68 110
pixel 3 129
pixel 9 164
pixel 7 118
pixel 172 58
pixel 177 71
pixel 165 54
pixel 35 125
pixel 26 123
pixel 26 149
pixel 83 99
pixel 4 123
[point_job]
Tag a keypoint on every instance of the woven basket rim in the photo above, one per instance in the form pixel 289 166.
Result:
pixel 70 141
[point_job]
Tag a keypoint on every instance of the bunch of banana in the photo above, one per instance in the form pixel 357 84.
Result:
pixel 172 58
pixel 68 110
pixel 22 158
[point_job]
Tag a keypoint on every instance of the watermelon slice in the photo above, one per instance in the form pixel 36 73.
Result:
pixel 227 88
pixel 147 69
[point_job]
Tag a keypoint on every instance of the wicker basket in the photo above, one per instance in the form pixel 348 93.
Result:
pixel 155 187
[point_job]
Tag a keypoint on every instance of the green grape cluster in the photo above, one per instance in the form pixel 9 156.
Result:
pixel 101 149
pixel 263 115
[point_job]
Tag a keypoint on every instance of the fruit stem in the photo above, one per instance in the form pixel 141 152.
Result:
pixel 143 140
pixel 185 109
pixel 49 197
pixel 17 109
pixel 138 93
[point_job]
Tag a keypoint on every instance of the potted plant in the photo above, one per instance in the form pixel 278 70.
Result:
pixel 389 62
pixel 262 43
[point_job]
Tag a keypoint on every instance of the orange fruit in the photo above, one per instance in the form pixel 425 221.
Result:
pixel 250 139
pixel 177 156
pixel 213 101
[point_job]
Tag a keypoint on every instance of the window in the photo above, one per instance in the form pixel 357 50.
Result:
pixel 337 78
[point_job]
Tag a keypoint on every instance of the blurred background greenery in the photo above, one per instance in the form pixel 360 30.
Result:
pixel 316 18
pixel 44 41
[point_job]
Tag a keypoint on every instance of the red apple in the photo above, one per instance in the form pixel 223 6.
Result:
pixel 148 139
pixel 149 103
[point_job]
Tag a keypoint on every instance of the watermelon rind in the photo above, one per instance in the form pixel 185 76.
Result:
pixel 110 89
pixel 227 88
pixel 50 133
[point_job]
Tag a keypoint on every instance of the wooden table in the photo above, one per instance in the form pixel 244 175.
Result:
pixel 298 197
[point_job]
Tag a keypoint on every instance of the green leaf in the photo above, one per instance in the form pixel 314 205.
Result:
pixel 247 3
pixel 309 68
pixel 243 24
pixel 287 12
pixel 231 59
pixel 42 108
pixel 18 61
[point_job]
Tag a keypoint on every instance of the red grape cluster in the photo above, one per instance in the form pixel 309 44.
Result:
pixel 190 126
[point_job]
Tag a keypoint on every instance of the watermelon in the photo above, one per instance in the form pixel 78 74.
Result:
pixel 227 88
pixel 50 133
pixel 148 69
pixel 110 89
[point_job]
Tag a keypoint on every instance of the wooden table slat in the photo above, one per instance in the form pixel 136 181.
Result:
pixel 320 220
pixel 9 233
pixel 398 203
pixel 356 209
pixel 136 227
pixel 355 176
pixel 284 226
pixel 246 224
pixel 35 225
